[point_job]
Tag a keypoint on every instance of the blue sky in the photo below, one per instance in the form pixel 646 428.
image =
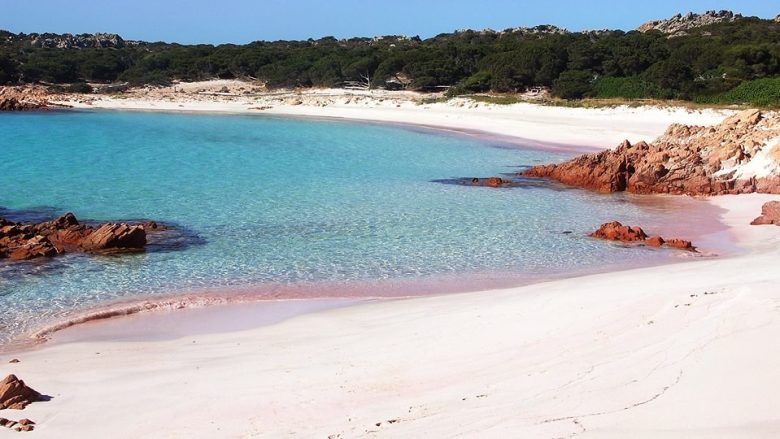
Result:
pixel 242 21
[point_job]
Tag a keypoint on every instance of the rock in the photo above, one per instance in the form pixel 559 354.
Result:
pixel 25 98
pixel 680 25
pixel 14 394
pixel 3 422
pixel 616 231
pixel 680 244
pixel 27 428
pixel 14 361
pixel 26 421
pixel 152 226
pixel 65 234
pixel 685 160
pixel 115 238
pixel 770 214
pixel 655 241
pixel 36 247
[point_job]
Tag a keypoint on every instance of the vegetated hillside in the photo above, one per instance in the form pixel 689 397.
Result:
pixel 704 62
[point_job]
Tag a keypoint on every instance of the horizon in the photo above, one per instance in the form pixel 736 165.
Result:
pixel 342 20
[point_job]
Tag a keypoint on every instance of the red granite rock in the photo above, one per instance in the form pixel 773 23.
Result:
pixel 15 394
pixel 690 160
pixel 616 231
pixel 770 214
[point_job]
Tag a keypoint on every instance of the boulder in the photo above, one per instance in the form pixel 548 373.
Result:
pixel 770 214
pixel 115 238
pixel 655 241
pixel 15 394
pixel 616 231
pixel 680 244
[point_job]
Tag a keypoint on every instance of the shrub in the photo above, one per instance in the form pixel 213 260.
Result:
pixel 632 87
pixel 573 84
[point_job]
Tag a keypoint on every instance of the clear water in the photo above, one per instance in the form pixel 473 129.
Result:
pixel 283 201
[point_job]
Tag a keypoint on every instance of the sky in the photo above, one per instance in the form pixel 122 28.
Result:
pixel 243 21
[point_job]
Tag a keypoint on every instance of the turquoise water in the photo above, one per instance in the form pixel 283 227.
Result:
pixel 274 201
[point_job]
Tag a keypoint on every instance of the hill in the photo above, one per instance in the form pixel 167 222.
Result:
pixel 692 57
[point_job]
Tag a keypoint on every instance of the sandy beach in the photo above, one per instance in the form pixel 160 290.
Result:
pixel 683 350
pixel 529 124
pixel 686 350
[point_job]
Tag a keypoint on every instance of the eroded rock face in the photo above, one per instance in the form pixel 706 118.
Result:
pixel 15 394
pixel 741 155
pixel 65 234
pixel 615 231
pixel 770 214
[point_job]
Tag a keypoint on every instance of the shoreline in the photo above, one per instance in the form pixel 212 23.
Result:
pixel 707 234
pixel 612 354
pixel 557 352
pixel 563 129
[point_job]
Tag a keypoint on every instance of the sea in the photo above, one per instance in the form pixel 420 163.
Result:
pixel 290 208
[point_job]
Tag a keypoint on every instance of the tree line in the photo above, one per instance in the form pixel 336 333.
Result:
pixel 703 65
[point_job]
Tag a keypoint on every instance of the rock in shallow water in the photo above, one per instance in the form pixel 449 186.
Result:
pixel 615 231
pixel 66 234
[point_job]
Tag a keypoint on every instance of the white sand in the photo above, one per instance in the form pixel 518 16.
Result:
pixel 682 351
pixel 573 128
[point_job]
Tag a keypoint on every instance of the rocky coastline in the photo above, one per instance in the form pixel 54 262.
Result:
pixel 20 242
pixel 26 98
pixel 741 155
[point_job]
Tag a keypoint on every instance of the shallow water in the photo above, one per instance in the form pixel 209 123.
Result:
pixel 264 201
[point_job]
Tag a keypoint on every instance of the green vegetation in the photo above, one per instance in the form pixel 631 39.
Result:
pixel 759 92
pixel 496 100
pixel 720 63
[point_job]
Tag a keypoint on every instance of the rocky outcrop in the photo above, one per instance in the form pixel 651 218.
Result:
pixel 23 98
pixel 82 41
pixel 65 234
pixel 741 155
pixel 680 25
pixel 770 214
pixel 115 237
pixel 615 231
pixel 15 394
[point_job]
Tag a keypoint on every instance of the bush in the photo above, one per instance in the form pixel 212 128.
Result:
pixel 761 92
pixel 632 87
pixel 573 84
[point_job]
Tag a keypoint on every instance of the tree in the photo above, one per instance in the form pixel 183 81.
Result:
pixel 573 84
